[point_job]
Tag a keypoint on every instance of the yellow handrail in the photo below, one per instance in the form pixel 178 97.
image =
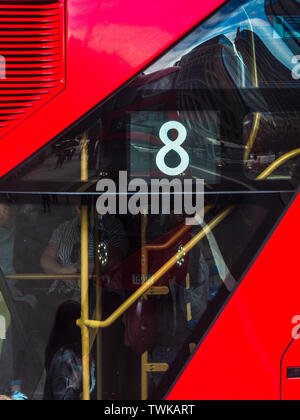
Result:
pixel 84 322
pixel 157 276
pixel 98 312
pixel 85 302
pixel 279 162
pixel 257 115
pixel 85 275
pixel 162 247
pixel 45 276
pixel 253 135
pixel 144 271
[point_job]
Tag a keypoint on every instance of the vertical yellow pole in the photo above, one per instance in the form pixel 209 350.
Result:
pixel 84 158
pixel 144 261
pixel 98 313
pixel 144 377
pixel 257 115
pixel 99 345
pixel 85 278
pixel 144 272
pixel 188 305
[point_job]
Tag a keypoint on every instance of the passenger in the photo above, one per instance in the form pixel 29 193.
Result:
pixel 64 356
pixel 5 398
pixel 11 247
pixel 63 253
pixel 63 256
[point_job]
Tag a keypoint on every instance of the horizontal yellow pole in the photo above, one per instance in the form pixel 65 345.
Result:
pixel 166 267
pixel 176 236
pixel 168 244
pixel 44 276
pixel 159 274
pixel 156 367
pixel 279 162
pixel 158 291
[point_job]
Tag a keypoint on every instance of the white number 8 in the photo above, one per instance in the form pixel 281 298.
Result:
pixel 172 145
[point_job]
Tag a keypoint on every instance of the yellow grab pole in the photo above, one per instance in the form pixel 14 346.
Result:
pixel 85 278
pixel 253 135
pixel 144 271
pixel 174 238
pixel 99 343
pixel 84 158
pixel 144 376
pixel 98 316
pixel 188 305
pixel 257 115
pixel 43 276
pixel 85 322
pixel 85 304
pixel 277 163
pixel 144 256
pixel 254 63
pixel 160 273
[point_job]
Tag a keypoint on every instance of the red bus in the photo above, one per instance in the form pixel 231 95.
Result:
pixel 118 120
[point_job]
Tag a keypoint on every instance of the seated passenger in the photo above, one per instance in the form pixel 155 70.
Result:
pixel 11 240
pixel 63 253
pixel 5 398
pixel 63 256
pixel 64 356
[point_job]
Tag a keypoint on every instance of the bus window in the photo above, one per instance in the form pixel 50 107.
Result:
pixel 219 110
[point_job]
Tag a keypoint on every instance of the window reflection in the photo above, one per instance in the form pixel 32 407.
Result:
pixel 40 261
pixel 231 84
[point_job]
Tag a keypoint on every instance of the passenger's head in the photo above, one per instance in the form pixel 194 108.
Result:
pixel 7 215
pixel 5 398
pixel 65 333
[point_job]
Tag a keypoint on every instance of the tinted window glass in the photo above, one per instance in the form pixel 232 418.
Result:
pixel 221 106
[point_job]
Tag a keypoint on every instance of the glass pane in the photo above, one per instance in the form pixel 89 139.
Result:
pixel 214 125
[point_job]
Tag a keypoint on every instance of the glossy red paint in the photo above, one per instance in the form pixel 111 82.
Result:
pixel 32 65
pixel 241 356
pixel 108 41
pixel 290 386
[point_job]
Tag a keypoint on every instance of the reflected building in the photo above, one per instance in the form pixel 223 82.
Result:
pixel 238 80
pixel 277 91
pixel 284 16
pixel 258 58
pixel 211 106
